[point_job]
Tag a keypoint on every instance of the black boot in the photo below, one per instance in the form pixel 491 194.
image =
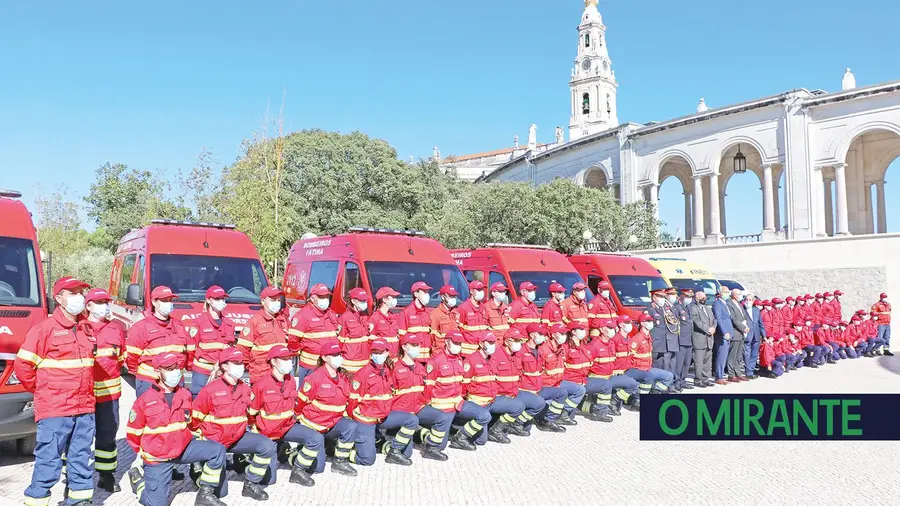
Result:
pixel 459 441
pixel 284 452
pixel 567 419
pixel 178 475
pixel 107 481
pixel 634 404
pixel 254 491
pixel 195 470
pixel 206 497
pixel 615 408
pixel 600 415
pixel 86 502
pixel 887 353
pixel 342 466
pixel 496 434
pixel 546 426
pixel 301 477
pixel 432 453
pixel 686 386
pixel 517 429
pixel 395 456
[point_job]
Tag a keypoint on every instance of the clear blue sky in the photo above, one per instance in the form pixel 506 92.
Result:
pixel 152 84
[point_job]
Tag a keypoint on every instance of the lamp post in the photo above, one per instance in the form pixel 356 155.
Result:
pixel 740 162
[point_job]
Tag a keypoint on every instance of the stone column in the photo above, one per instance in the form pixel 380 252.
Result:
pixel 768 203
pixel 819 205
pixel 688 219
pixel 723 223
pixel 840 190
pixel 777 199
pixel 714 233
pixel 882 211
pixel 870 213
pixel 829 207
pixel 654 199
pixel 698 209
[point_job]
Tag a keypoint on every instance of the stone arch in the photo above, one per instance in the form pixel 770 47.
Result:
pixel 870 150
pixel 666 157
pixel 594 176
pixel 843 147
pixel 715 156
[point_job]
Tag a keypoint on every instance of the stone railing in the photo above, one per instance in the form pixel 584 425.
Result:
pixel 743 239
pixel 675 244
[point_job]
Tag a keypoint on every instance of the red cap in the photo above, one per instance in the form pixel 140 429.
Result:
pixel 808 296
pixel 556 288
pixel 827 294
pixel 610 324
pixel 789 298
pixel 527 285
pixel 574 325
pixel 68 283
pixel 279 351
pixel 798 322
pixel 808 318
pixel 873 314
pixel 777 300
pixel 579 286
pixel 557 328
pixel 498 287
pixel 759 303
pixel 855 318
pixel 476 285
pixel 819 296
pixel 603 284
pixel 216 292
pixel 411 338
pixel 687 291
pixel 378 345
pixel 838 292
pixel 168 359
pixel 386 291
pixel 271 292
pixel 358 294
pixel 162 292
pixel 623 319
pixel 883 296
pixel 488 337
pixel 536 328
pixel 454 336
pixel 231 355
pixel 844 323
pixel 329 347
pixel 658 291
pixel 645 317
pixel 860 311
pixel 96 294
pixel 319 290
pixel 419 285
pixel 449 290
pixel 514 334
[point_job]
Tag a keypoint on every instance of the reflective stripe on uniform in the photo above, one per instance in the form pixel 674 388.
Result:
pixel 66 363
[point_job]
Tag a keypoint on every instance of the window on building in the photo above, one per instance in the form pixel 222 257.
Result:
pixel 608 104
pixel 587 40
pixel 599 41
pixel 585 104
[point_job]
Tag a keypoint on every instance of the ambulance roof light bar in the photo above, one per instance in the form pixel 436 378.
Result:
pixel 393 231
pixel 13 194
pixel 207 224
pixel 504 245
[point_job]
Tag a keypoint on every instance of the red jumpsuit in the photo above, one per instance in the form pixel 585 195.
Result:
pixel 883 310
pixel 309 327
pixel 815 310
pixel 158 431
pixel 322 400
pixel 603 356
pixel 506 369
pixel 220 411
pixel 641 350
pixel 554 362
pixel 412 319
pixel 443 320
pixel 521 313
pixel 574 310
pixel 578 363
pixel 354 339
pixel 479 381
pixel 110 355
pixel 599 310
pixel 474 325
pixel 383 326
pixel 372 394
pixel 623 353
pixel 271 411
pixel 150 337
pixel 261 333
pixel 444 382
pixel 552 313
pixel 532 363
pixel 409 387
pixel 210 337
pixel 496 318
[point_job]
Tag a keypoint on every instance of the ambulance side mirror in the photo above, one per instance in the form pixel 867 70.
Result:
pixel 133 295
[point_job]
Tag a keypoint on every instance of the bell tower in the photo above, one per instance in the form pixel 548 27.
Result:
pixel 593 83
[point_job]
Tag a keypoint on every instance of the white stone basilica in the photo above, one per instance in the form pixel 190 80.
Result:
pixel 831 147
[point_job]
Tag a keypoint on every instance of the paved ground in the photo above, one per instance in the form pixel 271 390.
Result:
pixel 601 464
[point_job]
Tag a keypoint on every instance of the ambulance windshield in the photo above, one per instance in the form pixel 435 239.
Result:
pixel 634 291
pixel 710 286
pixel 543 280
pixel 19 285
pixel 401 275
pixel 190 275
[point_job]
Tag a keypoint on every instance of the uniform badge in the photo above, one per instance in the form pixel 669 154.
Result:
pixel 307 387
pixel 132 416
pixel 294 322
pixel 355 385
pixel 429 368
pixel 246 331
pixel 466 367
pixel 193 331
pixel 634 345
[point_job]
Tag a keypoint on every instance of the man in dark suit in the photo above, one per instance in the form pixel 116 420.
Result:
pixel 739 320
pixel 703 325
pixel 724 333
pixel 665 331
pixel 685 347
pixel 754 337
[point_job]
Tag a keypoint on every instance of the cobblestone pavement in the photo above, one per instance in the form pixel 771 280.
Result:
pixel 597 463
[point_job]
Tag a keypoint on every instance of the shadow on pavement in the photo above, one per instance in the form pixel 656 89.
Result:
pixel 890 363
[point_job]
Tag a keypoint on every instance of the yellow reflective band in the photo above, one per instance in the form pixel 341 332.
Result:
pixel 295 332
pixel 134 350
pixel 473 328
pixel 209 470
pixel 527 320
pixel 410 390
pixel 406 430
pixel 331 408
pixel 380 397
pixel 284 415
pixel 363 418
pixel 525 417
pixel 106 352
pixel 103 454
pixel 641 355
pixel 483 379
pixel 259 471
pixel 532 374
pixel 601 376
pixel 617 372
pixel 245 343
pixel 418 328
pixel 472 428
pixel 263 461
pixel 31 501
pixel 81 495
pixel 67 363
pixel 165 429
pixel 140 489
pixel 146 370
pixel 105 466
pixel 159 350
pixel 571 403
pixel 401 439
pixel 604 396
pixel 209 478
pixel 448 380
pixel 309 453
pixel 469 348
pixel 265 347
pixel 604 360
pixel 321 335
pixel 508 379
pixel 438 433
pixel 505 417
pixel 212 345
pixel 28 356
pixel 479 399
pixel 622 394
pixel 583 365
pixel 448 403
pixel 660 386
pixel 230 420
pixel 312 425
pixel 202 364
pixel 621 354
pixel 108 383
pixel 551 372
pixel 500 327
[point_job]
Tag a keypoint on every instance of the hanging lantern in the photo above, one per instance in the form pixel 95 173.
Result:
pixel 740 162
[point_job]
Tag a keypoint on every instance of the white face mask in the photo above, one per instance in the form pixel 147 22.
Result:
pixel 671 299
pixel 235 370
pixel 100 311
pixel 451 301
pixel 453 348
pixel 580 295
pixel 336 361
pixel 424 298
pixel 660 301
pixel 172 378
pixel 392 302
pixel 559 296
pixel 360 306
pixel 885 300
pixel 413 352
pixel 539 339
pixel 779 306
pixel 561 338
pixel 322 303
pixel 647 325
pixel 489 348
pixel 273 306
pixel 284 366
pixel 748 303
pixel 628 327
pixel 379 358
pixel 530 296
pixel 478 295
pixel 165 308
pixel 500 297
pixel 609 332
pixel 515 346
pixel 605 294
pixel 75 304
pixel 217 305
pixel 580 334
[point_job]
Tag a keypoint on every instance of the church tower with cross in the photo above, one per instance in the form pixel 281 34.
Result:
pixel 593 83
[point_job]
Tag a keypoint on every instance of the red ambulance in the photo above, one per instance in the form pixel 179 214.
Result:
pixel 630 279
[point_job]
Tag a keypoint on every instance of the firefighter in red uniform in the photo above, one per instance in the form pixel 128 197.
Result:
pixel 603 355
pixel 383 323
pixel 552 312
pixel 481 386
pixel 322 401
pixel 600 309
pixel 523 311
pixel 262 332
pixel 787 315
pixel 56 364
pixel 155 333
pixel 211 333
pixel 807 343
pixel 815 309
pixel 574 308
pixel 598 392
pixel 823 341
pixel 495 310
pixel 641 356
pixel 370 407
pixel 836 303
pixel 220 414
pixel 554 354
pixel 312 325
pixel 444 318
pixel 158 432
pixel 622 365
pixel 414 317
pixel 473 322
pixel 882 309
pixel 354 331
pixel 444 386
pixel 110 339
pixel 532 381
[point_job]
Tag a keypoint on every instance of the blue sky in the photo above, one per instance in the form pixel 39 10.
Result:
pixel 152 84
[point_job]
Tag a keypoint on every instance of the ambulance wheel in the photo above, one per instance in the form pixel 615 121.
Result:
pixel 25 445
